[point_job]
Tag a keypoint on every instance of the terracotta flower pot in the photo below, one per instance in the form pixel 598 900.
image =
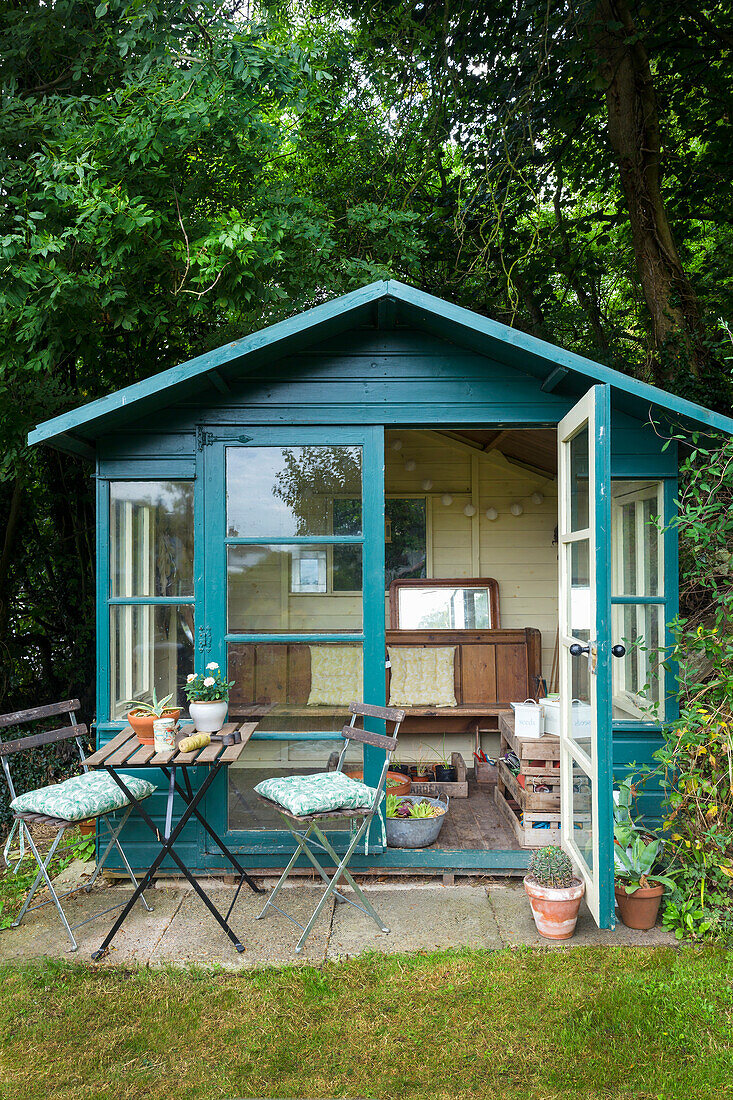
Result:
pixel 640 909
pixel 88 828
pixel 402 782
pixel 555 912
pixel 143 724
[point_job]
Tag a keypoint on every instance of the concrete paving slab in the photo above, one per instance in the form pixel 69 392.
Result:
pixel 195 937
pixel 420 919
pixel 514 918
pixel 42 933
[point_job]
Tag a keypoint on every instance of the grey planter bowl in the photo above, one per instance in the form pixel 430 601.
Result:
pixel 416 832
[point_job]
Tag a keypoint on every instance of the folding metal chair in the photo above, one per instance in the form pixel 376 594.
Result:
pixel 21 820
pixel 305 841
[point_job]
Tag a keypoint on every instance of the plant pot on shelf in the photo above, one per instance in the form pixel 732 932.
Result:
pixel 142 724
pixel 639 909
pixel 208 716
pixel 555 910
pixel 445 773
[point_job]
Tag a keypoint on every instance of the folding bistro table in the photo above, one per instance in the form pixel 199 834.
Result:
pixel 124 751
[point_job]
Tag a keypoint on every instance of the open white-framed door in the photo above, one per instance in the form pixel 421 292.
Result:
pixel 584 485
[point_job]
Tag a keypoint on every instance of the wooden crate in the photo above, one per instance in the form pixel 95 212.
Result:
pixel 525 797
pixel 528 836
pixel 459 789
pixel 538 756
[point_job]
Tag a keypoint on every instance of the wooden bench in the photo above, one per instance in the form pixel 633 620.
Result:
pixel 492 669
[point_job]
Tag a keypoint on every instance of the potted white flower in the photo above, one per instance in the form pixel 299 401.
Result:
pixel 208 698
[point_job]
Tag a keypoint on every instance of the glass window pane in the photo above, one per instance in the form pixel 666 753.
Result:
pixel 578 481
pixel 282 491
pixel 579 593
pixel 638 678
pixel 405 540
pixel 151 538
pixel 636 539
pixel 290 589
pixel 582 821
pixel 150 646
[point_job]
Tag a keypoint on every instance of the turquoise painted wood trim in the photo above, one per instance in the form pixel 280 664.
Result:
pixel 428 859
pixel 147 601
pixel 670 540
pixel 148 469
pixel 299 540
pixel 297 735
pixel 102 610
pixel 274 639
pixel 604 748
pixel 639 599
pixel 375 642
pixel 462 326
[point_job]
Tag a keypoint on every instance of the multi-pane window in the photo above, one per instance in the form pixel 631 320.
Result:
pixel 151 608
pixel 638 600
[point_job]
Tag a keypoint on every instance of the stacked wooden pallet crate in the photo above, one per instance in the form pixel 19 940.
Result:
pixel 534 816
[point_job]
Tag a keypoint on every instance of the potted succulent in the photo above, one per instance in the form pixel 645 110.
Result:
pixel 208 698
pixel 414 821
pixel 639 888
pixel 554 893
pixel 142 715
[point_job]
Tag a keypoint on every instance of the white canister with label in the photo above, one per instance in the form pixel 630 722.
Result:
pixel 164 734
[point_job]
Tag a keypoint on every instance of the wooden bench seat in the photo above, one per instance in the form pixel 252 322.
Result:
pixel 492 669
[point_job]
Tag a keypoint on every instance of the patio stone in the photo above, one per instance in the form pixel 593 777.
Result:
pixel 194 936
pixel 514 918
pixel 420 918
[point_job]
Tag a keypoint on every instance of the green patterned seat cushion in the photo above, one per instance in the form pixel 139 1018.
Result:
pixel 88 795
pixel 317 794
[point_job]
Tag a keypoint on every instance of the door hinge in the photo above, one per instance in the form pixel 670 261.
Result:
pixel 203 438
pixel 204 638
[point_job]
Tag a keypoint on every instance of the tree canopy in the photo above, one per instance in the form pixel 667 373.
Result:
pixel 176 174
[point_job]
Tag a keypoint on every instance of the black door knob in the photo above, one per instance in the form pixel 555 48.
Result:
pixel 619 650
pixel 577 650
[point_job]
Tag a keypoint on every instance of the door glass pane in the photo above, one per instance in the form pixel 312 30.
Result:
pixel 578 481
pixel 288 687
pixel 151 538
pixel 294 685
pixel 294 589
pixel 581 817
pixel 638 678
pixel 150 646
pixel 636 539
pixel 285 491
pixel 579 593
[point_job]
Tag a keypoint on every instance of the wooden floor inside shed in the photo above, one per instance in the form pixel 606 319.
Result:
pixel 473 823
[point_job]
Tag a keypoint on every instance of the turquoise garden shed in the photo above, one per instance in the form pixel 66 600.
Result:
pixel 392 497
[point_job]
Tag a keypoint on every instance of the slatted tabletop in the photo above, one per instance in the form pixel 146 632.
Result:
pixel 125 749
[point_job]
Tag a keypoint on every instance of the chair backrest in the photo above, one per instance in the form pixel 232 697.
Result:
pixel 352 732
pixel 47 737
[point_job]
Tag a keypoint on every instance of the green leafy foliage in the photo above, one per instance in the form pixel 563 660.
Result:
pixel 695 762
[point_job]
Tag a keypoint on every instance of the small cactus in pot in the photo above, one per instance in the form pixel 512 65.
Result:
pixel 554 892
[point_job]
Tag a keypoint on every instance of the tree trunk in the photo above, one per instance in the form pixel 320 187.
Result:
pixel 634 133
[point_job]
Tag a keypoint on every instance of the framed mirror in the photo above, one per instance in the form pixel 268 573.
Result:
pixel 446 604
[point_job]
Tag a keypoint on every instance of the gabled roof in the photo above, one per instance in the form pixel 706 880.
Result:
pixel 380 303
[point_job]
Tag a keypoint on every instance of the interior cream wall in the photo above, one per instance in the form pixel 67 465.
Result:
pixel 518 551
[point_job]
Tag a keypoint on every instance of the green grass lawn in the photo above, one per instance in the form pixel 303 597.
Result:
pixel 592 1022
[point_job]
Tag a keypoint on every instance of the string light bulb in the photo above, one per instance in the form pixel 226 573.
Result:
pixel 396 444
pixel 538 498
pixel 492 514
pixel 516 509
pixel 427 484
pixel 446 500
pixel 410 465
pixel 469 510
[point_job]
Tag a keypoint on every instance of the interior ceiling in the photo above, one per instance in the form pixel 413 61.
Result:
pixel 534 447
